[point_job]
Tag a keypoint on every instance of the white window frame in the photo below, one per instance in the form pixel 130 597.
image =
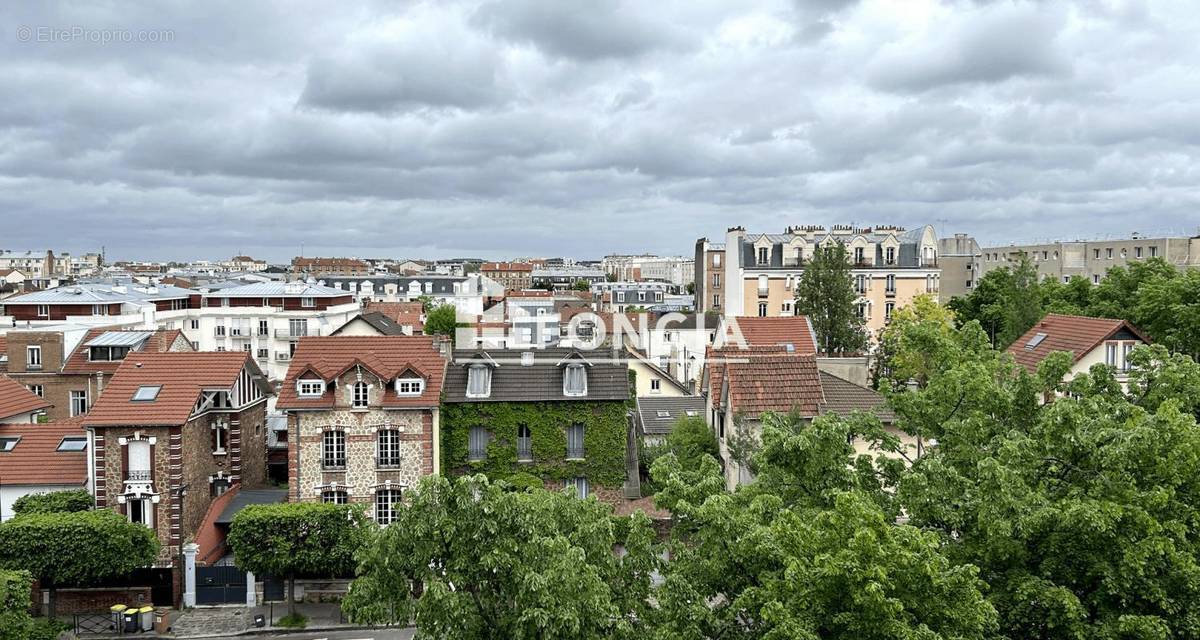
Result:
pixel 33 356
pixel 410 386
pixel 37 390
pixel 580 484
pixel 334 496
pixel 220 436
pixel 388 452
pixel 308 303
pixel 655 385
pixel 43 311
pixel 333 441
pixel 79 402
pixel 387 499
pixel 486 372
pixel 360 395
pixel 574 366
pixel 309 388
pixel 146 508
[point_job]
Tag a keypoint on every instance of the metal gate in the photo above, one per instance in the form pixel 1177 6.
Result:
pixel 220 585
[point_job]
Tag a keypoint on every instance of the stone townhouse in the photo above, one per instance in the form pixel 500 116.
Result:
pixel 363 418
pixel 560 415
pixel 70 365
pixel 173 431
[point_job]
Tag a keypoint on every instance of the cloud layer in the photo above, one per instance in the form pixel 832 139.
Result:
pixel 498 128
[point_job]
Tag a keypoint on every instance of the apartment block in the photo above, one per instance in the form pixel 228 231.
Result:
pixel 1091 259
pixel 961 261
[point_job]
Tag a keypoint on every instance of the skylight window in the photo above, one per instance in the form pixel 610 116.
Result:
pixel 7 444
pixel 1034 341
pixel 73 443
pixel 663 414
pixel 146 393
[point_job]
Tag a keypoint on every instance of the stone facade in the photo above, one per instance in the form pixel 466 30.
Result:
pixel 361 475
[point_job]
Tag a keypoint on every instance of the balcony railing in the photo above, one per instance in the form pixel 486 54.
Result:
pixel 475 455
pixel 282 356
pixel 297 332
pixel 575 453
pixel 762 293
pixel 524 451
pixel 137 475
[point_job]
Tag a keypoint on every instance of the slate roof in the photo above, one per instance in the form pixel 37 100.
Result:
pixel 650 408
pixel 35 460
pixel 15 399
pixel 1077 334
pixel 95 293
pixel 766 332
pixel 403 313
pixel 182 376
pixel 78 362
pixel 843 397
pixel 247 497
pixel 278 290
pixel 385 356
pixel 378 321
pixel 542 381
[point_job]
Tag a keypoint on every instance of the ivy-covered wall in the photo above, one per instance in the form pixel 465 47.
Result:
pixel 604 436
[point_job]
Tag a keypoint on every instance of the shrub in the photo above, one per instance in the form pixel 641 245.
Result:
pixel 53 502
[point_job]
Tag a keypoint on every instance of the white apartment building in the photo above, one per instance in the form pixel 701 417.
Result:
pixel 467 294
pixel 676 270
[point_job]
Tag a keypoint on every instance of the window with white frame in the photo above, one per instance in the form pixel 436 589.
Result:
pixel 389 448
pixel 762 309
pixel 220 437
pixel 1110 354
pixel 387 505
pixel 575 380
pixel 310 388
pixel 73 443
pixel 575 441
pixel 890 284
pixel 524 444
pixel 194 323
pixel 37 390
pixel 888 308
pixel 33 357
pixel 307 302
pixel 655 385
pixel 360 395
pixel 79 403
pixel 580 485
pixel 43 311
pixel 620 296
pixel 763 255
pixel 333 449
pixel 410 386
pixel 140 511
pixel 477 442
pixel 334 496
pixel 479 381
pixel 1126 349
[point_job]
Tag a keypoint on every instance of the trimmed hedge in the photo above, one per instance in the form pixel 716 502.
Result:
pixel 53 502
pixel 15 622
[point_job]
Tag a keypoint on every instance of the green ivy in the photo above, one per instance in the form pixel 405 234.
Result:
pixel 604 435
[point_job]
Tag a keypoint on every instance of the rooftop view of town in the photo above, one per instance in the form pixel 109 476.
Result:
pixel 490 319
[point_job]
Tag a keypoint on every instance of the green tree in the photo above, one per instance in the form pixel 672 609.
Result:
pixel 582 285
pixel 806 551
pixel 911 343
pixel 53 502
pixel 15 621
pixel 298 539
pixel 1081 513
pixel 428 302
pixel 1167 307
pixel 1024 306
pixel 468 559
pixel 50 546
pixel 987 303
pixel 443 321
pixel 825 293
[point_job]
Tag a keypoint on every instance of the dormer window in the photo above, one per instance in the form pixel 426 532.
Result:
pixel 410 386
pixel 479 381
pixel 310 388
pixel 575 380
pixel 361 396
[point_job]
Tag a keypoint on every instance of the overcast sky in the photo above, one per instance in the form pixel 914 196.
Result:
pixel 510 128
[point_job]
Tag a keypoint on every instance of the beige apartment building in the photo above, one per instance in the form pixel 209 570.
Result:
pixel 756 274
pixel 514 276
pixel 961 261
pixel 1091 259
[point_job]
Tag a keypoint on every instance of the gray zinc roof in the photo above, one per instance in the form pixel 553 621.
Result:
pixel 659 415
pixel 541 381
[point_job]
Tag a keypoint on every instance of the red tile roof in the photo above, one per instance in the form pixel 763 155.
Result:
pixel 506 266
pixel 35 459
pixel 182 376
pixel 402 312
pixel 716 359
pixel 774 382
pixel 385 356
pixel 78 361
pixel 1077 334
pixel 15 399
pixel 762 332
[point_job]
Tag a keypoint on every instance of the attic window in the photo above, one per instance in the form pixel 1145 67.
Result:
pixel 1034 341
pixel 73 443
pixel 411 386
pixel 310 388
pixel 479 381
pixel 663 414
pixel 8 444
pixel 146 393
pixel 692 414
pixel 575 380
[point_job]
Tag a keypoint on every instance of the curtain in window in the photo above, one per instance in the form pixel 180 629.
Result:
pixel 575 441
pixel 576 379
pixel 477 443
pixel 479 380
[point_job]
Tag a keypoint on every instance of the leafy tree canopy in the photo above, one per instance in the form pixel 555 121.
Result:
pixel 442 320
pixel 467 558
pixel 53 502
pixel 825 293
